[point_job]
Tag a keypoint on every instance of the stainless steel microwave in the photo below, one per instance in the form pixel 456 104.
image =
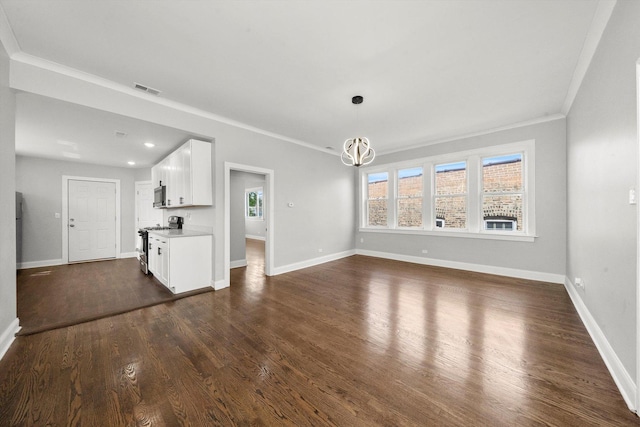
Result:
pixel 160 197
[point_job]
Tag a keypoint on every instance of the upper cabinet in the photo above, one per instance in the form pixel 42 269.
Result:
pixel 187 174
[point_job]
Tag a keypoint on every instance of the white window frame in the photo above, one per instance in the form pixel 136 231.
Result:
pixel 475 220
pixel 260 194
pixel 390 217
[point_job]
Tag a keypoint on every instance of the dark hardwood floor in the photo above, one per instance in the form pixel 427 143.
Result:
pixel 355 342
pixel 63 295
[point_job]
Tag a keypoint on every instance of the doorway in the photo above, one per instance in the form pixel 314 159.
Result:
pixel 247 220
pixel 90 219
pixel 267 174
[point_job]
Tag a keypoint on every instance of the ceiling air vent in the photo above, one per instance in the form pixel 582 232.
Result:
pixel 120 134
pixel 147 89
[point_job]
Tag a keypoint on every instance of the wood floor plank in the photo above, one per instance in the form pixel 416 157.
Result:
pixel 355 342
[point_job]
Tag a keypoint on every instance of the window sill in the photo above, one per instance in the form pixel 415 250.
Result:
pixel 462 234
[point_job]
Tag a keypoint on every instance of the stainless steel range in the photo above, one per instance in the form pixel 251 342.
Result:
pixel 175 223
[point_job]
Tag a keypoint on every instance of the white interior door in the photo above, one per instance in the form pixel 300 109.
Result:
pixel 92 220
pixel 146 214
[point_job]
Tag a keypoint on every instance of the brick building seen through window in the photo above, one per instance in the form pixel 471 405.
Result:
pixel 502 196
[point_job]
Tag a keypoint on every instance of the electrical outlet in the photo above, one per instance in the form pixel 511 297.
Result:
pixel 320 250
pixel 424 251
pixel 579 283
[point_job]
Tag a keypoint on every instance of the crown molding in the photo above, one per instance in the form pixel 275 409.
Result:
pixel 538 120
pixel 592 40
pixel 28 59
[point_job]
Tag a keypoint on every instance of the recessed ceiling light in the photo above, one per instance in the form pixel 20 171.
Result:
pixel 131 163
pixel 149 144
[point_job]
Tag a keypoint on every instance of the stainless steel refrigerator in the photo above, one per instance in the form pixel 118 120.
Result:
pixel 18 229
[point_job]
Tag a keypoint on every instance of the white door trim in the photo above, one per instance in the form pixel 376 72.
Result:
pixel 137 185
pixel 637 190
pixel 269 201
pixel 65 212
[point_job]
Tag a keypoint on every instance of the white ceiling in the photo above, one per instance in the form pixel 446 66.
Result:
pixel 428 70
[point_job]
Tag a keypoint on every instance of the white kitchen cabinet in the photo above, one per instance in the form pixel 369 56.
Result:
pixel 160 173
pixel 181 260
pixel 175 187
pixel 192 174
pixel 187 174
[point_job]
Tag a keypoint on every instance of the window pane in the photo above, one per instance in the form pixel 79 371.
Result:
pixel 377 185
pixel 452 211
pixel 410 212
pixel 377 212
pixel 506 207
pixel 410 182
pixel 451 178
pixel 502 173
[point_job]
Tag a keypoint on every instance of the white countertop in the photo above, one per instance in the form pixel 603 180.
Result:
pixel 179 233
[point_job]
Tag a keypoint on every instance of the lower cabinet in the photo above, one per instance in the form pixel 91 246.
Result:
pixel 181 263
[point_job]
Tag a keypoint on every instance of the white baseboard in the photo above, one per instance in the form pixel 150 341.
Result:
pixel 220 284
pixel 128 254
pixel 238 263
pixel 478 268
pixel 621 377
pixel 311 262
pixel 35 264
pixel 8 335
pixel 249 236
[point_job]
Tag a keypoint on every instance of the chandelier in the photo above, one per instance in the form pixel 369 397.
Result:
pixel 357 151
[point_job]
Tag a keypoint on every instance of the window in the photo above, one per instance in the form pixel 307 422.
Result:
pixel 500 224
pixel 253 203
pixel 409 201
pixel 502 192
pixel 377 196
pixel 481 193
pixel 451 195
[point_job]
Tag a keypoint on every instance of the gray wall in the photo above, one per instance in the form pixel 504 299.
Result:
pixel 545 255
pixel 602 167
pixel 7 198
pixel 40 181
pixel 318 185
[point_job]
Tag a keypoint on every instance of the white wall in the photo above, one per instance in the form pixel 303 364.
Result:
pixel 8 314
pixel 319 185
pixel 546 255
pixel 602 167
pixel 40 181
